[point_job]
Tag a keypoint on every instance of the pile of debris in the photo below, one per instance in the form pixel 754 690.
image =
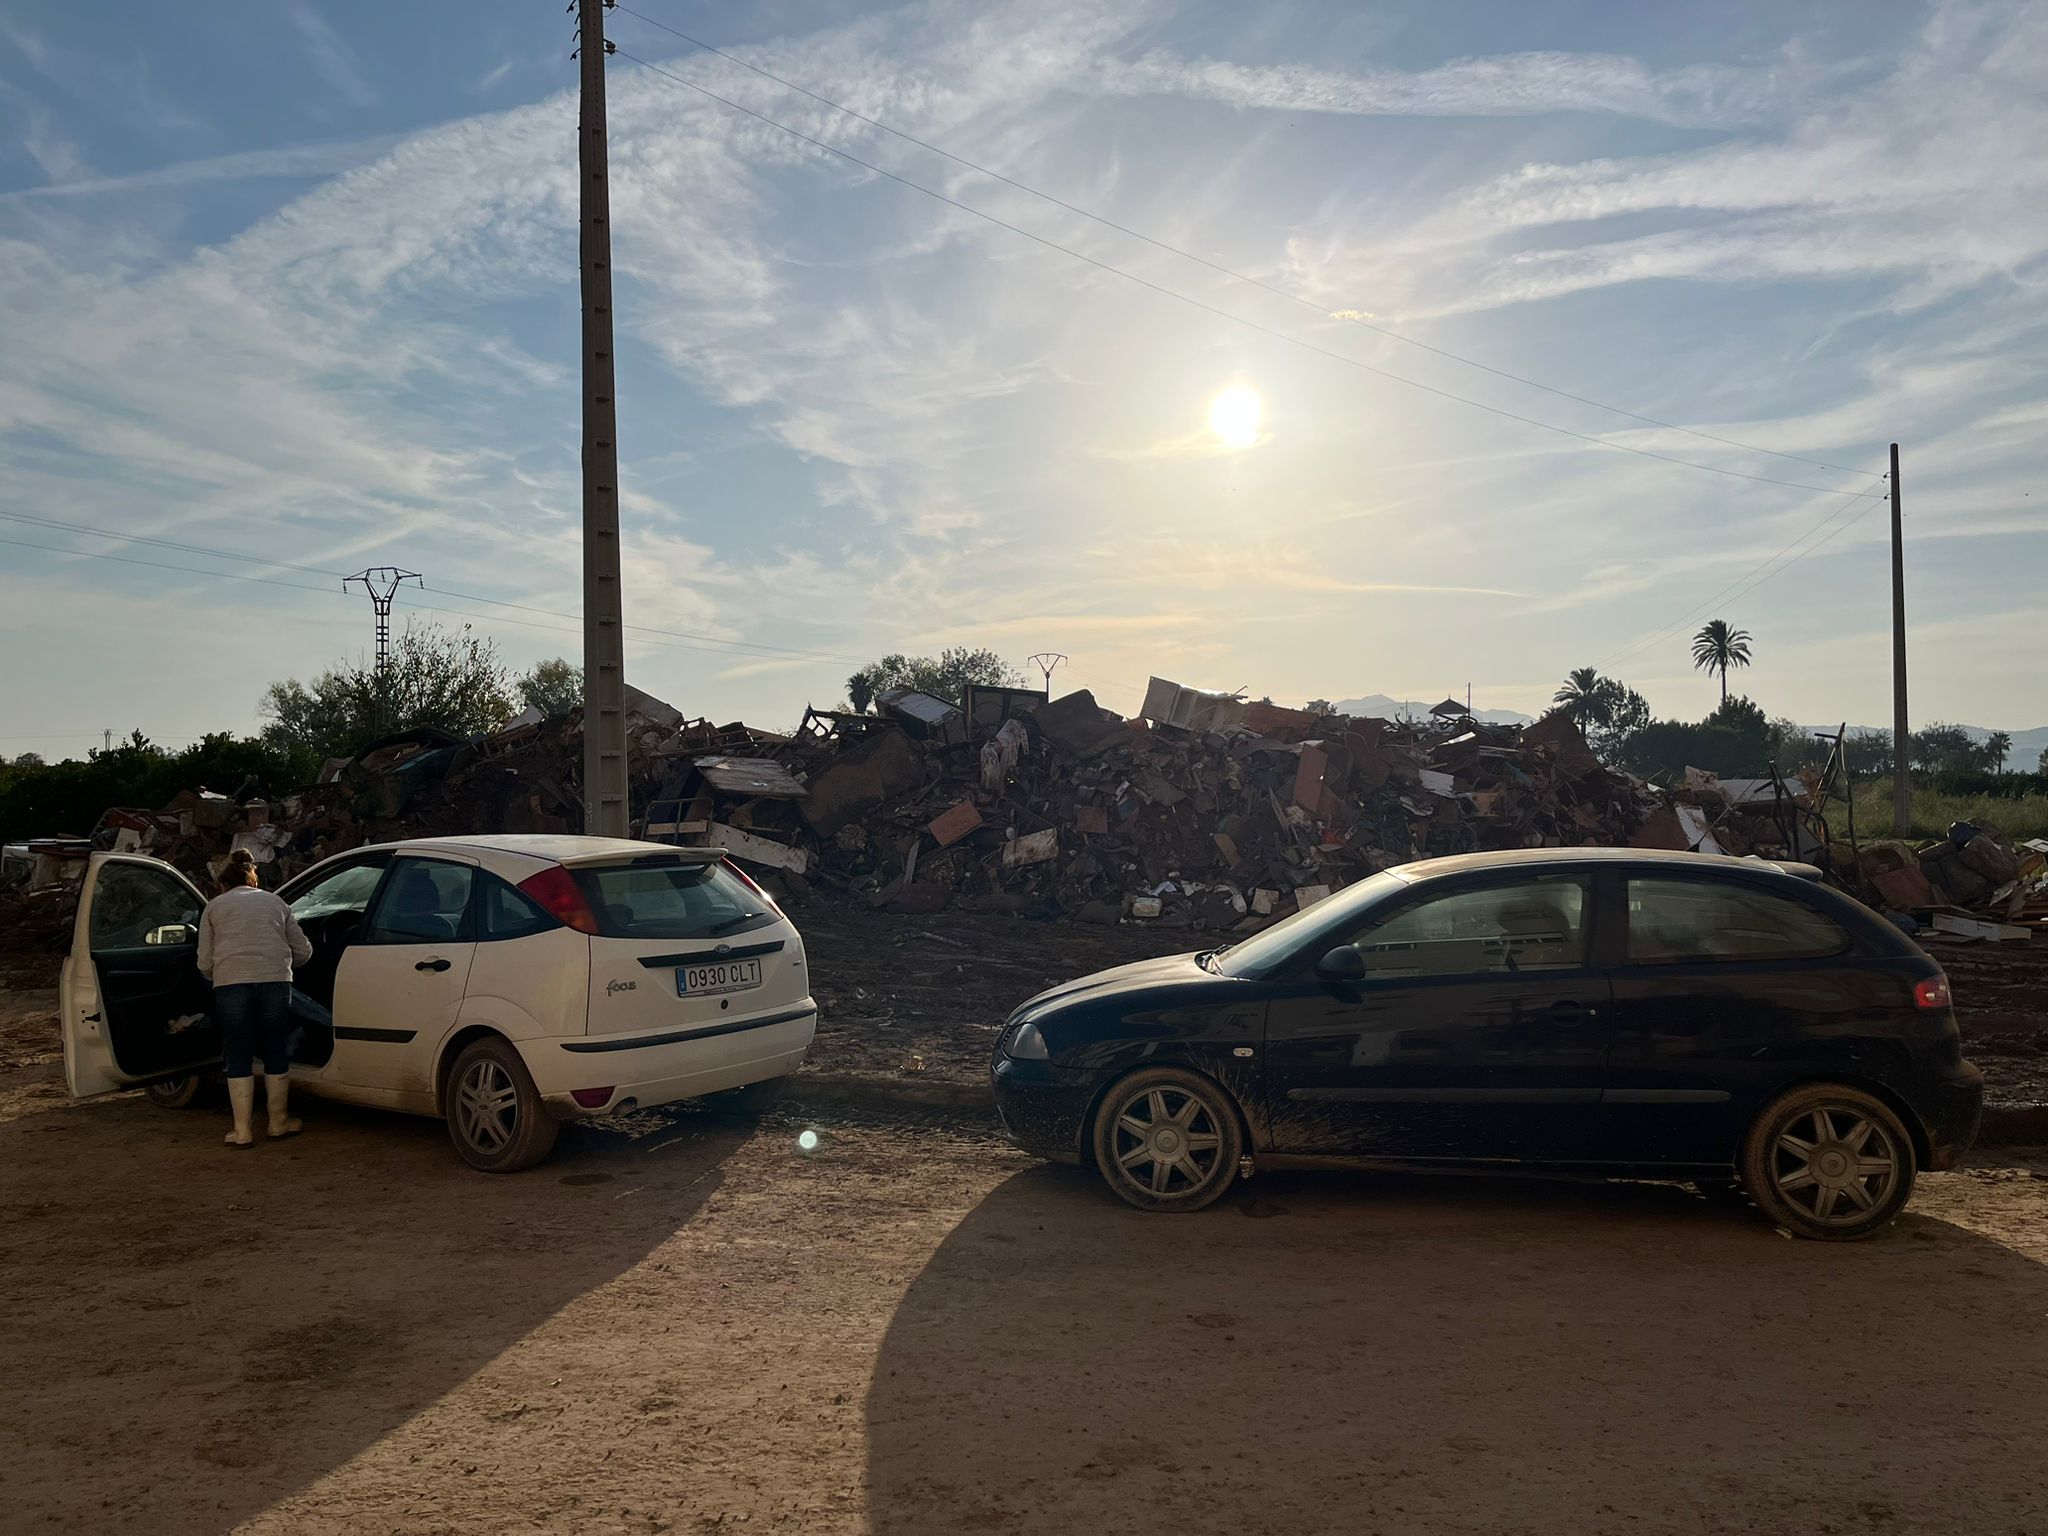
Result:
pixel 1206 811
pixel 1968 884
pixel 1769 818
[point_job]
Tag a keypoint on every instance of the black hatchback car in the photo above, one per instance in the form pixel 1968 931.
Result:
pixel 1599 1011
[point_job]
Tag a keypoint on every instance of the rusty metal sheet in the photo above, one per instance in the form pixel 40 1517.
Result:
pixel 949 827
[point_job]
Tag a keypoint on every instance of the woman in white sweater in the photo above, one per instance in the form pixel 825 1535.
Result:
pixel 248 943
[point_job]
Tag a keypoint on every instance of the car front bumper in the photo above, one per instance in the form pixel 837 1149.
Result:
pixel 1043 1108
pixel 663 1071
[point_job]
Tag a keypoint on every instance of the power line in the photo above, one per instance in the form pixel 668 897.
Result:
pixel 1216 266
pixel 1737 587
pixel 467 597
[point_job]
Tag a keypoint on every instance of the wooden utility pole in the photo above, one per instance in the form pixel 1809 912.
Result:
pixel 606 811
pixel 1902 784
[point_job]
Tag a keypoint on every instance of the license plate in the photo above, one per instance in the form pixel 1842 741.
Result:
pixel 718 976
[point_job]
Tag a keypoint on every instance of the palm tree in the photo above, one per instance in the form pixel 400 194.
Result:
pixel 1586 696
pixel 1717 648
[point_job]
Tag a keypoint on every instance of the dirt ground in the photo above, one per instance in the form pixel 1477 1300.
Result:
pixel 686 1324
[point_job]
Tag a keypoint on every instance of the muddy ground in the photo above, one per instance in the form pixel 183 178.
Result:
pixel 684 1324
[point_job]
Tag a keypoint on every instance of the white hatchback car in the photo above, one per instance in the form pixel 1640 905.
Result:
pixel 503 983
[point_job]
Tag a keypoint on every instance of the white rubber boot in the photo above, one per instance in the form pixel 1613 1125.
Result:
pixel 242 1100
pixel 275 1090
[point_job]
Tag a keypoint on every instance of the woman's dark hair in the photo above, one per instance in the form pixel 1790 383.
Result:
pixel 235 873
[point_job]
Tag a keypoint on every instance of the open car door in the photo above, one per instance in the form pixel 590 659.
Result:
pixel 133 1004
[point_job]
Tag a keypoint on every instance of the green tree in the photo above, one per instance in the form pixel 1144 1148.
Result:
pixel 1626 713
pixel 2042 765
pixel 1716 648
pixel 943 676
pixel 1321 707
pixel 553 687
pixel 1586 696
pixel 450 678
pixel 1946 748
pixel 1734 739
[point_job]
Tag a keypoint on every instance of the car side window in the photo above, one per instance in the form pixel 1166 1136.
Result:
pixel 1524 925
pixel 134 906
pixel 426 901
pixel 1670 921
pixel 347 889
pixel 504 912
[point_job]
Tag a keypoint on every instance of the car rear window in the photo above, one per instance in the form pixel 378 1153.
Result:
pixel 1670 921
pixel 670 901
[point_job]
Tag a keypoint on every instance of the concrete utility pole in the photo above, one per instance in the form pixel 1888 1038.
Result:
pixel 606 811
pixel 1902 783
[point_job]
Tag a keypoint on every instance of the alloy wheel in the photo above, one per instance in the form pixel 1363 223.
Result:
pixel 487 1105
pixel 1835 1164
pixel 1165 1141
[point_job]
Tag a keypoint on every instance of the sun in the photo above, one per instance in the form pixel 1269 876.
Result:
pixel 1234 416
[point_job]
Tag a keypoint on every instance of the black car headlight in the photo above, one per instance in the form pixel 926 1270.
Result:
pixel 1026 1044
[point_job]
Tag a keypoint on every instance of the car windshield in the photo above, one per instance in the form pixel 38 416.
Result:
pixel 1312 930
pixel 670 900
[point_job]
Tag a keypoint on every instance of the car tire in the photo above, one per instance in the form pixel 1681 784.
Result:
pixel 495 1115
pixel 1828 1161
pixel 1167 1140
pixel 754 1099
pixel 175 1092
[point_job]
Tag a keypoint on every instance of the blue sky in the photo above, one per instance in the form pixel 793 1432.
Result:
pixel 298 281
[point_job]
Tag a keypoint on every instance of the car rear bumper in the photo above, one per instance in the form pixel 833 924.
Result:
pixel 1951 1110
pixel 1043 1108
pixel 661 1069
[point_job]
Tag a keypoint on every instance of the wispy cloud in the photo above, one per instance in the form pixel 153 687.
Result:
pixel 332 57
pixel 1508 85
pixel 301 160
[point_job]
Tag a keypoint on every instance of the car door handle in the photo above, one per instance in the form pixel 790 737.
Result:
pixel 1569 1012
pixel 433 965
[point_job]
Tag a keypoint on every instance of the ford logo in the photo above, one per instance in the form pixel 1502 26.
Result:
pixel 722 949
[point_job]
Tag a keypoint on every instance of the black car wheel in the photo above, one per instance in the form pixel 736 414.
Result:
pixel 1828 1161
pixel 1167 1140
pixel 495 1115
pixel 175 1092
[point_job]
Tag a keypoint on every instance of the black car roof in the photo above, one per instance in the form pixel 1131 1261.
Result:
pixel 1657 859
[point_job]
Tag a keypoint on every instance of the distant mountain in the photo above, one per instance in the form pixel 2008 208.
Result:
pixel 2023 757
pixel 1378 706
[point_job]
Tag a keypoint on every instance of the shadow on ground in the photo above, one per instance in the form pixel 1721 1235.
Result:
pixel 258 1318
pixel 1404 1354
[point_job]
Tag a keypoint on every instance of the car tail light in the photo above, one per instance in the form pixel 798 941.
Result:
pixel 751 884
pixel 1932 993
pixel 556 890
pixel 591 1098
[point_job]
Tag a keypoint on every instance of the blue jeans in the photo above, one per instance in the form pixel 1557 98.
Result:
pixel 252 1014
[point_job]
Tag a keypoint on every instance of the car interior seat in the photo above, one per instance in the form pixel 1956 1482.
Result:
pixel 416 907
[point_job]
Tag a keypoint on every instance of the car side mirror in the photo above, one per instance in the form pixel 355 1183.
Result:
pixel 1344 963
